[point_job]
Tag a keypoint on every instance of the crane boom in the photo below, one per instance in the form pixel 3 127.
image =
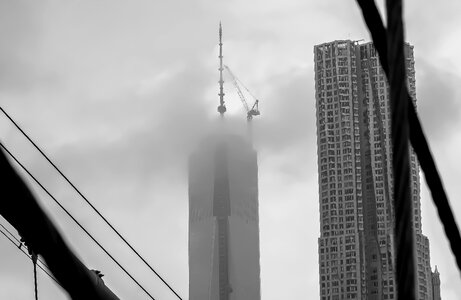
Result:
pixel 254 110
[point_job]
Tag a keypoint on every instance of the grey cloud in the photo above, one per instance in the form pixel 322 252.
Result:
pixel 285 134
pixel 159 146
pixel 438 20
pixel 436 100
pixel 19 31
pixel 288 112
pixel 121 174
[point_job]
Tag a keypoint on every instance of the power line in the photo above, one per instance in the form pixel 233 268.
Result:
pixel 90 204
pixel 72 217
pixel 24 252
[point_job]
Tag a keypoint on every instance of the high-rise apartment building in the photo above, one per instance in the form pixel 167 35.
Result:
pixel 224 221
pixel 436 285
pixel 356 248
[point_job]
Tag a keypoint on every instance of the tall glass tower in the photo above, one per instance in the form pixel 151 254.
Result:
pixel 356 250
pixel 224 221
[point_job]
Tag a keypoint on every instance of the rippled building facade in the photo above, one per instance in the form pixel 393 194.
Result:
pixel 356 250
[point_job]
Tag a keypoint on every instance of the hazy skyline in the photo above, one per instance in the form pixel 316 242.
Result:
pixel 119 93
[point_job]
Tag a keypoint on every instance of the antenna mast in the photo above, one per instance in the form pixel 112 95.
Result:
pixel 221 107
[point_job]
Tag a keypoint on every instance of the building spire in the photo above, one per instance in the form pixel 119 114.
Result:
pixel 221 107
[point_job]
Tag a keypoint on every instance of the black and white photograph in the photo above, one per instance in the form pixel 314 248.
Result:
pixel 230 150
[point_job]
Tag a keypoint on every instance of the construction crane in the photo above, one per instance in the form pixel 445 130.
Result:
pixel 254 110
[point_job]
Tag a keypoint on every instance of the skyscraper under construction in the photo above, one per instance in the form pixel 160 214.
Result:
pixel 223 215
pixel 356 250
pixel 224 221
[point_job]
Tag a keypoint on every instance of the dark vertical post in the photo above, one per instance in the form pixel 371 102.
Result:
pixel 405 265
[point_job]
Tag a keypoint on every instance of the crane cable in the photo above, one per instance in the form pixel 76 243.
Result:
pixel 241 83
pixel 75 221
pixel 90 204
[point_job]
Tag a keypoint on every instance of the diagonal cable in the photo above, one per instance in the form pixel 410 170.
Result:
pixel 76 222
pixel 418 139
pixel 90 204
pixel 405 244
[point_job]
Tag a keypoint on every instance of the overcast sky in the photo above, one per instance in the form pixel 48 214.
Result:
pixel 118 93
